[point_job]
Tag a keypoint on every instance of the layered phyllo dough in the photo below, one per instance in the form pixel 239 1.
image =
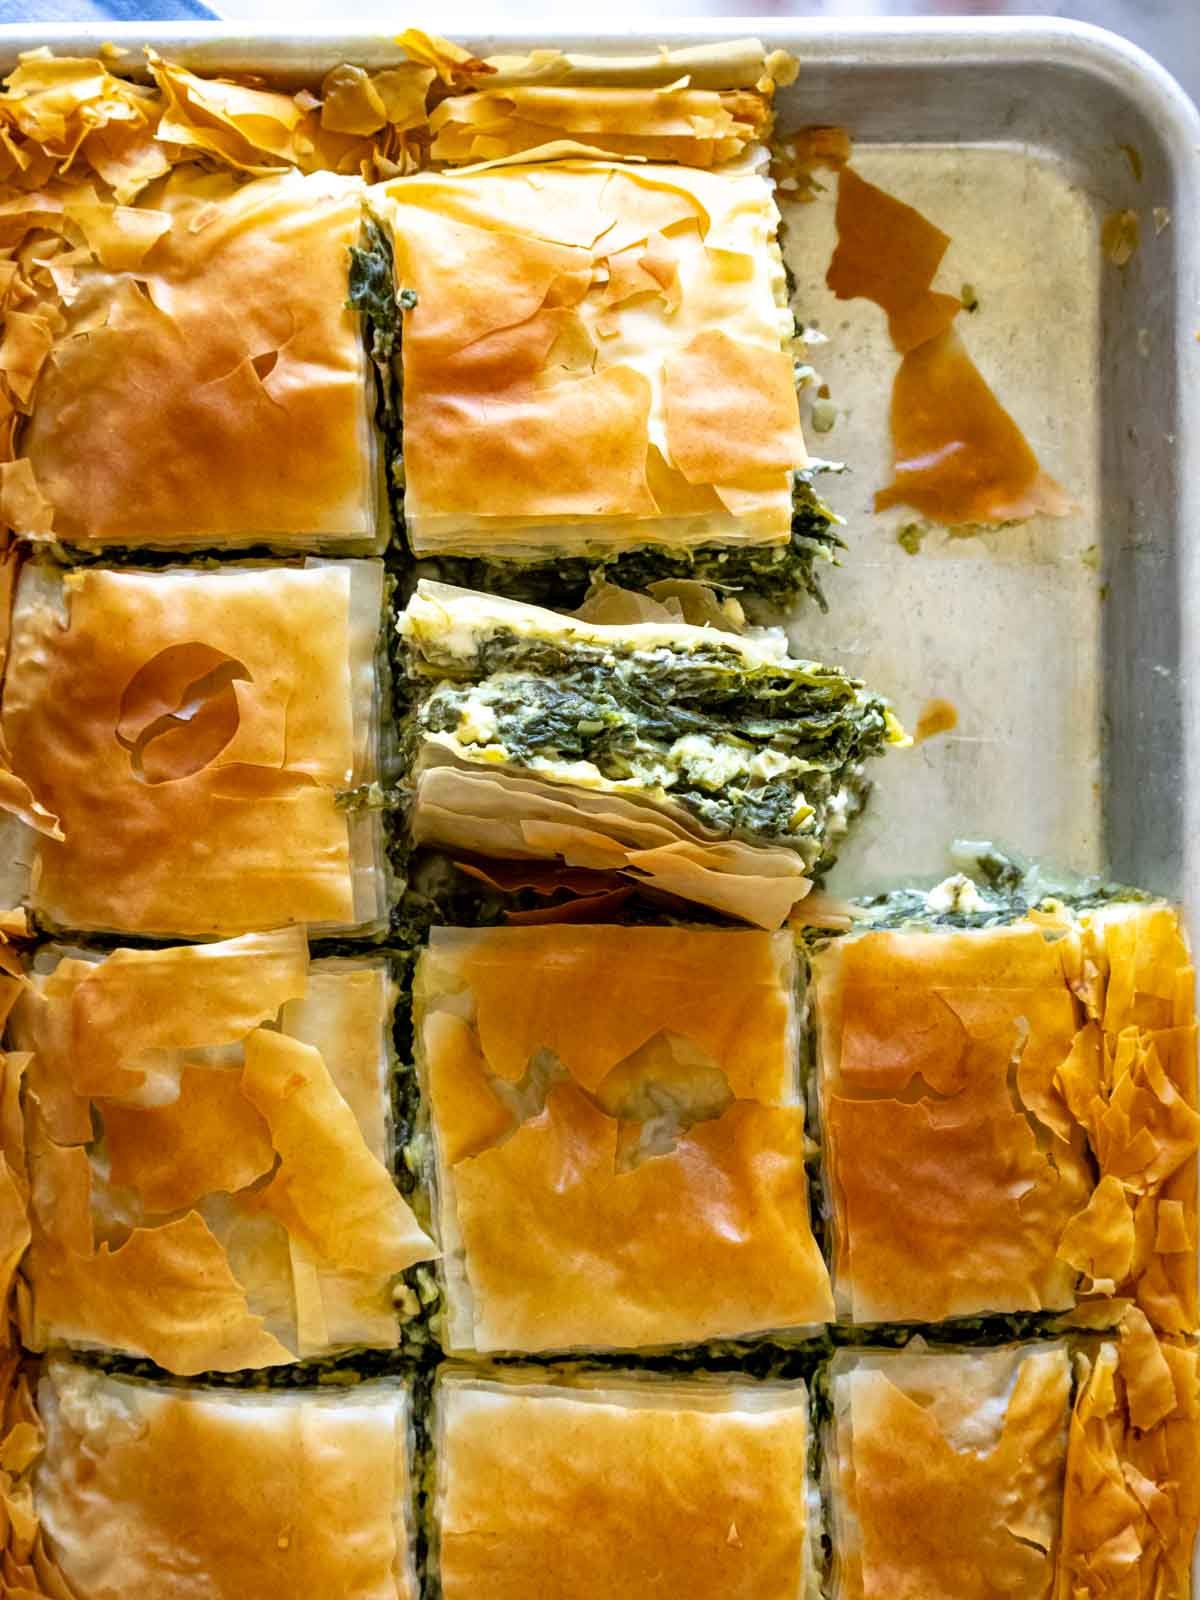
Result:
pixel 619 1483
pixel 706 765
pixel 1009 1117
pixel 596 357
pixel 618 1134
pixel 696 127
pixel 1132 1498
pixel 207 1154
pixel 196 733
pixel 945 1472
pixel 150 1490
pixel 700 105
pixel 201 380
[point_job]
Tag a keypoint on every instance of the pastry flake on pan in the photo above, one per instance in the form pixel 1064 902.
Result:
pixel 207 385
pixel 945 1471
pixel 618 1126
pixel 706 765
pixel 617 1483
pixel 147 1489
pixel 1132 1497
pixel 194 730
pixel 209 1144
pixel 597 359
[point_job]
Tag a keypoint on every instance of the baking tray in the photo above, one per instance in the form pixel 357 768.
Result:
pixel 1065 646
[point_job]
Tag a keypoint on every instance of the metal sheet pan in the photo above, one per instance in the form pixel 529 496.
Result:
pixel 1067 647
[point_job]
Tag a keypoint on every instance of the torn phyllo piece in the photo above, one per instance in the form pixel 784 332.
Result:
pixel 617 1127
pixel 1009 1118
pixel 159 1490
pixel 208 1140
pixel 1130 1081
pixel 597 366
pixel 621 1483
pixel 707 765
pixel 193 731
pixel 1132 1499
pixel 201 381
pixel 672 122
pixel 945 1472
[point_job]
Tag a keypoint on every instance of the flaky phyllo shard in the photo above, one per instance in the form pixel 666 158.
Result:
pixel 701 764
pixel 696 127
pixel 241 417
pixel 946 1471
pixel 598 359
pixel 1132 1498
pixel 193 730
pixel 609 1483
pixel 1010 1118
pixel 206 1139
pixel 1130 1081
pixel 617 1126
pixel 80 118
pixel 140 1487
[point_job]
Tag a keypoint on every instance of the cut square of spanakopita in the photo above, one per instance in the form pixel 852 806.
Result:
pixel 209 1149
pixel 205 383
pixel 618 1132
pixel 159 1490
pixel 708 765
pixel 192 731
pixel 618 1483
pixel 1009 1117
pixel 597 367
pixel 952 1163
pixel 945 1471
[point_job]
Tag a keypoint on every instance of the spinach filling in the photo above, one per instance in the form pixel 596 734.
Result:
pixel 1006 887
pixel 774 576
pixel 372 293
pixel 768 751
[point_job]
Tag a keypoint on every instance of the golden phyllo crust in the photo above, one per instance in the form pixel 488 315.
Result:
pixel 597 359
pixel 621 1485
pixel 952 1162
pixel 193 730
pixel 696 127
pixel 946 1472
pixel 618 1127
pixel 1010 1119
pixel 1130 1080
pixel 156 1491
pixel 1132 1501
pixel 205 383
pixel 206 1136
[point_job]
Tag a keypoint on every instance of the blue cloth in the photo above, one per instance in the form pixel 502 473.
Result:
pixel 35 11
